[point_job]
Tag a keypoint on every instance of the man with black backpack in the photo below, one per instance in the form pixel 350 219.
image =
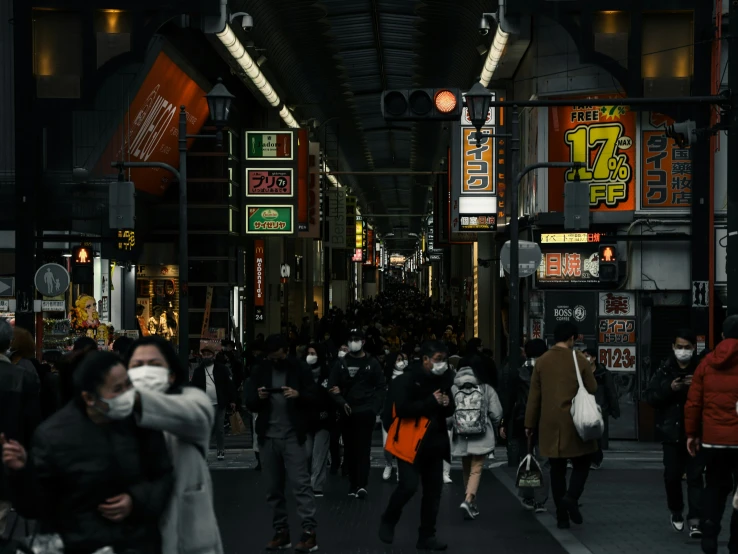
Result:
pixel 358 386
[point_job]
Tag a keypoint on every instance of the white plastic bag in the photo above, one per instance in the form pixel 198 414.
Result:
pixel 585 412
pixel 735 500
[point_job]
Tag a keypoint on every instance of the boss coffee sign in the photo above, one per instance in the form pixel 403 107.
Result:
pixel 579 308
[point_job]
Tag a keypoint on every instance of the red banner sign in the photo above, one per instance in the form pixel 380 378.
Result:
pixel 259 273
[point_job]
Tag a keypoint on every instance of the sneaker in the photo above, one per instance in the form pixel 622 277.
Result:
pixel 572 506
pixel 387 473
pixel 695 532
pixel 447 479
pixel 562 519
pixel 528 504
pixel 308 542
pixel 475 509
pixel 595 466
pixel 281 540
pixel 352 492
pixel 539 508
pixel 221 454
pixel 466 510
pixel 677 522
pixel 318 494
pixel 569 464
pixel 386 532
pixel 432 544
pixel 361 493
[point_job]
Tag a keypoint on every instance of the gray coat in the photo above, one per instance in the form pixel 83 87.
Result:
pixel 480 445
pixel 188 525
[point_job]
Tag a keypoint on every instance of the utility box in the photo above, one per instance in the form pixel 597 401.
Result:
pixel 122 205
pixel 576 206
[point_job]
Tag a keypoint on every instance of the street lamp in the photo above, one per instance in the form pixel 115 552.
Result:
pixel 219 104
pixel 478 100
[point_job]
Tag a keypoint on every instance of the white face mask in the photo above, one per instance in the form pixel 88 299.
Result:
pixel 149 377
pixel 439 368
pixel 683 355
pixel 121 406
pixel 386 351
pixel 311 359
pixel 401 365
pixel 355 345
pixel 341 353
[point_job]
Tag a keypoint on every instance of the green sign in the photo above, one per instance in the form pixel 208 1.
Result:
pixel 270 220
pixel 269 145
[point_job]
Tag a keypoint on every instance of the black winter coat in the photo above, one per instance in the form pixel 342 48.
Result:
pixel 302 410
pixel 365 390
pixel 223 384
pixel 412 395
pixel 324 414
pixel 669 403
pixel 75 465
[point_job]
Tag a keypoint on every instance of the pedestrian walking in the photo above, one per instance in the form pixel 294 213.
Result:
pixel 282 393
pixel 548 413
pixel 396 365
pixel 358 387
pixel 213 378
pixel 185 415
pixel 667 393
pixel 420 403
pixel 710 423
pixel 323 421
pixel 478 412
pixel 607 400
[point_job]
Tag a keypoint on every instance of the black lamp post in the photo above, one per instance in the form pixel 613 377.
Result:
pixel 478 100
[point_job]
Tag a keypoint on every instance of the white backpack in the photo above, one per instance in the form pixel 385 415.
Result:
pixel 470 417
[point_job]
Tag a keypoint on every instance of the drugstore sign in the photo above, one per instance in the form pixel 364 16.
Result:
pixel 603 138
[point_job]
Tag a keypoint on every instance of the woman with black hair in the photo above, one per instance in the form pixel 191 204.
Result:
pixel 185 414
pixel 325 419
pixel 395 366
pixel 92 475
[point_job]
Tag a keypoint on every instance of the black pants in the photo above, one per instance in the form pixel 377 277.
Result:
pixel 722 470
pixel 357 447
pixel 428 471
pixel 677 462
pixel 603 443
pixel 579 475
pixel 335 446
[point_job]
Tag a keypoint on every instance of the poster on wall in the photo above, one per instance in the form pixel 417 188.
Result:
pixel 666 180
pixel 269 182
pixel 579 308
pixel 604 139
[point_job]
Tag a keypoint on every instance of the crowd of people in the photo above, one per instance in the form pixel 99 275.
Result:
pixel 109 449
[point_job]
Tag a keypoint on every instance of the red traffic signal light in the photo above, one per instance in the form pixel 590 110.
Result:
pixel 608 254
pixel 608 261
pixel 442 104
pixel 82 255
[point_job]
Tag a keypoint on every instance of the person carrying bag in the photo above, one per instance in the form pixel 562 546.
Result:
pixel 530 474
pixel 585 412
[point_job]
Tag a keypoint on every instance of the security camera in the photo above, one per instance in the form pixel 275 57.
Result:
pixel 484 26
pixel 247 22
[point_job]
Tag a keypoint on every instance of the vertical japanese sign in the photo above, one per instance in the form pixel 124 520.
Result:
pixel 303 163
pixel 259 280
pixel 617 330
pixel 666 182
pixel 350 222
pixel 205 331
pixel 364 241
pixel 337 210
pixel 314 229
pixel 603 138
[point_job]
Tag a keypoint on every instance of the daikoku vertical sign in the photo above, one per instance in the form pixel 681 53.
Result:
pixel 604 139
pixel 666 181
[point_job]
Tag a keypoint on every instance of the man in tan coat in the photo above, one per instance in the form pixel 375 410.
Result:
pixel 548 413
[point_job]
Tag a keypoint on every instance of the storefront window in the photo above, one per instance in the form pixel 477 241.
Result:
pixel 157 301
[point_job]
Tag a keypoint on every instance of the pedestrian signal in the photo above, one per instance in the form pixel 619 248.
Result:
pixel 608 259
pixel 82 255
pixel 442 104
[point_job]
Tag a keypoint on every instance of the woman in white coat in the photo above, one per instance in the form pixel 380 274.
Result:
pixel 185 415
pixel 478 412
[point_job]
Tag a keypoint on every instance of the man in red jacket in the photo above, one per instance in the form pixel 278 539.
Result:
pixel 711 423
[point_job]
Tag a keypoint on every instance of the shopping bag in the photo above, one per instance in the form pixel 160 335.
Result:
pixel 735 500
pixel 530 475
pixel 585 412
pixel 237 425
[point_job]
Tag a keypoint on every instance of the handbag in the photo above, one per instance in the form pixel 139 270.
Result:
pixel 585 412
pixel 530 474
pixel 237 425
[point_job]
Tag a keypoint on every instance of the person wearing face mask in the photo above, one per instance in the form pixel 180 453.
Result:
pixel 185 415
pixel 358 386
pixel 421 394
pixel 667 393
pixel 394 367
pixel 548 415
pixel 214 379
pixel 324 419
pixel 92 475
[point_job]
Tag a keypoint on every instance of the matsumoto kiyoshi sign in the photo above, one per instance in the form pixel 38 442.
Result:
pixel 270 220
pixel 579 308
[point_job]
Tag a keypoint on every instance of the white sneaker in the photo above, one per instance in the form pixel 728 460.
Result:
pixel 387 473
pixel 447 479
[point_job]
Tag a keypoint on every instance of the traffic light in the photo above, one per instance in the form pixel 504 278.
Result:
pixel 82 255
pixel 608 258
pixel 432 104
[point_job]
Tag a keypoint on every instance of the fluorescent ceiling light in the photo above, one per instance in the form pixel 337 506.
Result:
pixel 251 68
pixel 494 55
